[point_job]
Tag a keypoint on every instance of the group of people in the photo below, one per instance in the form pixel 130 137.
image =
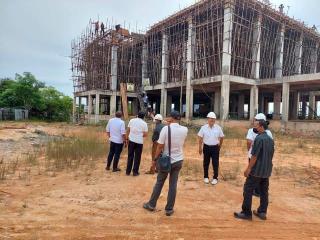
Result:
pixel 260 153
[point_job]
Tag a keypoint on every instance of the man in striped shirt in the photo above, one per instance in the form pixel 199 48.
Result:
pixel 257 174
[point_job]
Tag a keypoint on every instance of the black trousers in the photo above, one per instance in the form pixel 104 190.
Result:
pixel 134 157
pixel 114 154
pixel 249 186
pixel 257 189
pixel 211 152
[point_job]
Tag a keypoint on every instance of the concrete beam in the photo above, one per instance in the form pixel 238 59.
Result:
pixel 254 97
pixel 255 70
pixel 279 52
pixel 103 92
pixel 304 78
pixel 227 37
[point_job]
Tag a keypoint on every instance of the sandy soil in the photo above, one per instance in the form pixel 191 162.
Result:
pixel 106 205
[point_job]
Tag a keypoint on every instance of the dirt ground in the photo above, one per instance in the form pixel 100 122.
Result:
pixel 106 205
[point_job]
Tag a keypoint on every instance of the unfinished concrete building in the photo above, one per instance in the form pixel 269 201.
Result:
pixel 235 57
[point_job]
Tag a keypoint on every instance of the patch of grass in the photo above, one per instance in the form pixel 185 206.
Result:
pixel 232 172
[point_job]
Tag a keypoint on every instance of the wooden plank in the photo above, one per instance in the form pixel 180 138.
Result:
pixel 123 94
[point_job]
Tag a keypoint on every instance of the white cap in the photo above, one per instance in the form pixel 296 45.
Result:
pixel 158 117
pixel 211 115
pixel 260 116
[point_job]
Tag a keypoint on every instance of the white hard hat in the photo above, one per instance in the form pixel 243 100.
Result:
pixel 211 115
pixel 158 117
pixel 260 116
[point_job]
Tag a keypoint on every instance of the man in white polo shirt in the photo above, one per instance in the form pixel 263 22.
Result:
pixel 137 131
pixel 116 132
pixel 210 141
pixel 178 136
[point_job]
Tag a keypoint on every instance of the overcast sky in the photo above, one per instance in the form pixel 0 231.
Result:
pixel 35 35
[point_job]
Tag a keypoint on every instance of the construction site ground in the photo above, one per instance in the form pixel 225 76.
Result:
pixel 100 204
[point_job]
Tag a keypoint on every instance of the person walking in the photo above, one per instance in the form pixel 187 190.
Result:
pixel 210 142
pixel 155 136
pixel 251 135
pixel 174 135
pixel 137 131
pixel 116 132
pixel 258 173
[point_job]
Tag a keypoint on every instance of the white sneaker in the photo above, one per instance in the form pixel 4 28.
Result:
pixel 206 180
pixel 214 181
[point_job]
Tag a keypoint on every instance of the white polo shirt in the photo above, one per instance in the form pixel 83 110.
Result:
pixel 251 135
pixel 210 135
pixel 137 128
pixel 178 136
pixel 117 129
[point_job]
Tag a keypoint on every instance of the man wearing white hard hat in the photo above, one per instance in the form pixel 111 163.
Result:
pixel 251 136
pixel 155 136
pixel 210 141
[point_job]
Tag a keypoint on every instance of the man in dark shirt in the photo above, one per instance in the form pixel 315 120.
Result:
pixel 257 174
pixel 155 136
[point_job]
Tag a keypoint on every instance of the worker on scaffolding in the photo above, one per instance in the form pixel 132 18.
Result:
pixel 102 29
pixel 96 27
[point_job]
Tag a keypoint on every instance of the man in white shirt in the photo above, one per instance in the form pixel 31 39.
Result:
pixel 116 132
pixel 251 136
pixel 210 141
pixel 137 131
pixel 178 136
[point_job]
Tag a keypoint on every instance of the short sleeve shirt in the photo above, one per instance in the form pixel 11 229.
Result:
pixel 263 149
pixel 211 136
pixel 251 135
pixel 137 128
pixel 117 129
pixel 178 136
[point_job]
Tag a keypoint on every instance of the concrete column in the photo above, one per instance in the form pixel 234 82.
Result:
pixel 190 73
pixel 97 110
pixel 89 101
pixel 144 63
pixel 255 70
pixel 285 102
pixel 225 96
pixel 312 105
pixel 295 106
pixel 227 37
pixel 279 52
pixel 74 109
pixel 254 96
pixel 169 103
pixel 164 75
pixel 163 106
pixel 314 59
pixel 217 98
pixel 276 105
pixel 114 67
pixel 113 104
pixel 241 106
pixel 298 55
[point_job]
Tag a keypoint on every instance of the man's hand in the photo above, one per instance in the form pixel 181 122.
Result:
pixel 247 172
pixel 200 151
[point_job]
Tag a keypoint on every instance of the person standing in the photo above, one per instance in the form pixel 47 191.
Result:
pixel 210 141
pixel 137 131
pixel 178 136
pixel 116 132
pixel 155 136
pixel 257 174
pixel 251 135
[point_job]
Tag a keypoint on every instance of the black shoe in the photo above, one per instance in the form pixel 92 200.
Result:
pixel 148 207
pixel 116 170
pixel 243 216
pixel 262 216
pixel 169 212
pixel 107 168
pixel 136 174
pixel 128 174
